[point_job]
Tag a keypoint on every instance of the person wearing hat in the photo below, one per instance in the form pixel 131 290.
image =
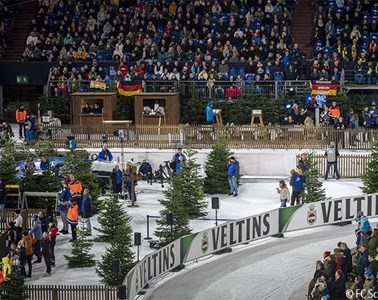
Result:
pixel 364 229
pixel 36 232
pixel 332 153
pixel 284 193
pixel 20 119
pixel 368 288
pixel 145 170
pixel 233 173
pixel 73 217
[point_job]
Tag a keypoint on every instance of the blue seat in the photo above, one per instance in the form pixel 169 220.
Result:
pixel 225 76
pixel 233 72
pixel 250 77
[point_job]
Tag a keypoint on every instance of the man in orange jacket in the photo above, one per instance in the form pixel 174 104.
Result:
pixel 20 119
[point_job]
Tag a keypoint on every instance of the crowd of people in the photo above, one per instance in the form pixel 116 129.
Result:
pixel 341 276
pixel 39 240
pixel 345 31
pixel 8 11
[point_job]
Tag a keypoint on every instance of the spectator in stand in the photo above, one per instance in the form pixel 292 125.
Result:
pixel 340 124
pixel 338 290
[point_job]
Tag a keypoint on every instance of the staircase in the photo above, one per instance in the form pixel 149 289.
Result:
pixel 20 31
pixel 301 29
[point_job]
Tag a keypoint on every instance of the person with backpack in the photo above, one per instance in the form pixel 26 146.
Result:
pixel 233 173
pixel 332 153
pixel 296 182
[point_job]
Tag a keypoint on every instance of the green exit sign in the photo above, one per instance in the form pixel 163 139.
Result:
pixel 22 79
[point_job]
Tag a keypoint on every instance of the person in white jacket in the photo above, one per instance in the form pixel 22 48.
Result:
pixel 284 193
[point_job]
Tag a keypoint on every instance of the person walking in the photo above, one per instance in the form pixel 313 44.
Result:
pixel 53 231
pixel 73 218
pixel 28 241
pixel 3 199
pixel 21 119
pixel 332 153
pixel 63 207
pixel 46 251
pixel 284 193
pixel 233 173
pixel 86 210
pixel 36 231
pixel 296 181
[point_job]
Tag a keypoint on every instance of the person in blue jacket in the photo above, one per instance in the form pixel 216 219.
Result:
pixel 36 232
pixel 86 210
pixel 105 154
pixel 45 163
pixel 296 181
pixel 179 158
pixel 116 180
pixel 209 113
pixel 233 173
pixel 63 207
pixel 364 229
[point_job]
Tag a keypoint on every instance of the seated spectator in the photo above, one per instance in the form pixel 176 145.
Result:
pixel 97 109
pixel 105 154
pixel 45 163
pixel 87 109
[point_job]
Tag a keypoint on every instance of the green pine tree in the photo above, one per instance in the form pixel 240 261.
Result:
pixel 7 163
pixel 370 177
pixel 14 289
pixel 111 216
pixel 184 199
pixel 120 248
pixel 45 147
pixel 313 187
pixel 216 181
pixel 76 163
pixel 80 256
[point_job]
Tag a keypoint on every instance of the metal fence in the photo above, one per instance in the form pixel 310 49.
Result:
pixel 219 89
pixel 204 136
pixel 71 292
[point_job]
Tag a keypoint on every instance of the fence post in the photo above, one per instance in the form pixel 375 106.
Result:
pixel 148 229
pixel 107 293
pixel 54 293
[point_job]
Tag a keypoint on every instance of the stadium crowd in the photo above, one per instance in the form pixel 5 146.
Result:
pixel 193 37
pixel 345 31
pixel 8 9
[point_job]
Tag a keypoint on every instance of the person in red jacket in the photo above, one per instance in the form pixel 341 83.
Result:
pixel 20 119
pixel 123 68
pixel 53 231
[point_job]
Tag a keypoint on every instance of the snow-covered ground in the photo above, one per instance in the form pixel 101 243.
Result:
pixel 256 196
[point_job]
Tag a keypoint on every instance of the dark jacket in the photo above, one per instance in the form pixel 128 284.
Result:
pixel 347 265
pixel 373 266
pixel 46 248
pixel 362 263
pixel 330 270
pixel 3 193
pixel 86 207
pixel 338 290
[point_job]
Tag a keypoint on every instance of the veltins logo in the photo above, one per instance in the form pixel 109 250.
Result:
pixel 204 242
pixel 311 215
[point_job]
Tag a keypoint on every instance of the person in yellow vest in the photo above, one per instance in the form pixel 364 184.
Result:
pixel 6 268
pixel 73 218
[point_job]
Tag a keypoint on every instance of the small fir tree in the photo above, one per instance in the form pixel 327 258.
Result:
pixel 184 199
pixel 80 256
pixel 120 248
pixel 216 181
pixel 111 216
pixel 370 177
pixel 8 163
pixel 313 187
pixel 14 289
pixel 45 147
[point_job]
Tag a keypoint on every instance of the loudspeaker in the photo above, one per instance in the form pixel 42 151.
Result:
pixel 137 239
pixel 215 202
pixel 170 219
pixel 116 265
pixel 122 292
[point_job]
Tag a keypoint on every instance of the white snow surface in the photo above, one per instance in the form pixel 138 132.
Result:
pixel 255 196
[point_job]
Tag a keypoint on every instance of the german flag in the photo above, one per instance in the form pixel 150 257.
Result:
pixel 129 88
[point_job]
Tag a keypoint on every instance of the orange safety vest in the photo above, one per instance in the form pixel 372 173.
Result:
pixel 21 115
pixel 73 214
pixel 75 187
pixel 28 244
pixel 334 111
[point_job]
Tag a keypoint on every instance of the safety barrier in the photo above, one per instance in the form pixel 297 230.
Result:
pixel 229 234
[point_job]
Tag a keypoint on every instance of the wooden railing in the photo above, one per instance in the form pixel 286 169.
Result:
pixel 26 216
pixel 203 136
pixel 349 165
pixel 71 292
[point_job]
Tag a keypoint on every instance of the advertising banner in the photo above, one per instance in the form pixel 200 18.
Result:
pixel 229 234
pixel 97 85
pixel 327 89
pixel 332 211
pixel 152 266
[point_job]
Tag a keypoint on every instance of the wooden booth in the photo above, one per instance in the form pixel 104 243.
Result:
pixel 157 108
pixel 106 107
